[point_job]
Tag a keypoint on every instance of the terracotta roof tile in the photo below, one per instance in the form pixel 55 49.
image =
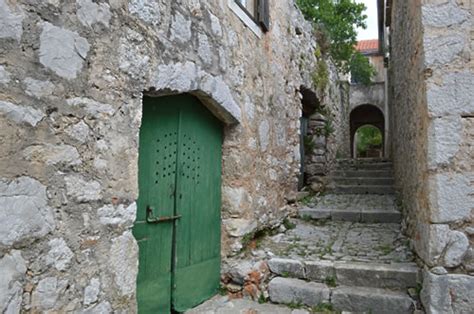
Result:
pixel 368 46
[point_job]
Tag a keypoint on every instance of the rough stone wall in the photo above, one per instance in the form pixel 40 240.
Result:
pixel 431 77
pixel 327 130
pixel 72 77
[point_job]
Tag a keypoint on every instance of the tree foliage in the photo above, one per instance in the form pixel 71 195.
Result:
pixel 361 69
pixel 368 137
pixel 336 22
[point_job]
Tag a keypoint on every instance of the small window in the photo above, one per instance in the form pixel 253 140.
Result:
pixel 258 11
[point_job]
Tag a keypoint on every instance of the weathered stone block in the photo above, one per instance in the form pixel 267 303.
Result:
pixel 12 272
pixel 287 267
pixel 451 293
pixel 288 290
pixel 319 270
pixel 24 211
pixel 62 50
pixel 361 299
pixel 147 10
pixel 21 114
pixel 123 261
pixel 120 215
pixel 89 12
pixel 444 140
pixel 456 249
pixel 53 154
pixel 11 19
pixel 59 255
pixel 450 197
pixel 391 276
pixel 82 190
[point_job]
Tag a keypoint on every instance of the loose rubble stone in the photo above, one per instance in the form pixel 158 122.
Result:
pixel 90 13
pixel 124 262
pixel 21 114
pixel 24 211
pixel 239 272
pixel 239 227
pixel 11 20
pixel 59 255
pixel 118 215
pixel 295 291
pixel 62 50
pixel 12 272
pixel 82 190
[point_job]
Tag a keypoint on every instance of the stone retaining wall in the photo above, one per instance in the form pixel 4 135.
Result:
pixel 432 75
pixel 72 77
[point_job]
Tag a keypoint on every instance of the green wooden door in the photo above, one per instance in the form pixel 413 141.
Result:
pixel 179 179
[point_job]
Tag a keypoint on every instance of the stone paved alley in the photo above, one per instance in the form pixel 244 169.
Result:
pixel 341 252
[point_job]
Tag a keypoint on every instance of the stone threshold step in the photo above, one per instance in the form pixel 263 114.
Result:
pixel 389 181
pixel 354 299
pixel 399 276
pixel 366 216
pixel 366 166
pixel 362 189
pixel 362 173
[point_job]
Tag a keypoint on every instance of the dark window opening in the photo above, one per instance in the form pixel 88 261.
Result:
pixel 258 11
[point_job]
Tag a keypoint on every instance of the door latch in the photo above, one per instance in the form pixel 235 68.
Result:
pixel 151 219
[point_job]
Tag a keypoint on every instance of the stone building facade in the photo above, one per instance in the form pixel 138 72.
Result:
pixel 73 75
pixel 431 99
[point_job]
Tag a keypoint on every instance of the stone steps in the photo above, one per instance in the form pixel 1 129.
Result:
pixel 395 276
pixel 342 298
pixel 347 173
pixel 365 166
pixel 361 189
pixel 385 181
pixel 350 214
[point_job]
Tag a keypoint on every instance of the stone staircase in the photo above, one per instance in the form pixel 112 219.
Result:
pixel 370 176
pixel 347 250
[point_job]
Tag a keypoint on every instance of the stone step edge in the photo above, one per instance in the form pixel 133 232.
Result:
pixel 398 276
pixel 365 216
pixel 296 291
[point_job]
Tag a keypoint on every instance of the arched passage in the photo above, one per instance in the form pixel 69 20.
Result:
pixel 366 115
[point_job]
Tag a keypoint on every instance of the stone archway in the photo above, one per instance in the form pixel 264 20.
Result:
pixel 366 115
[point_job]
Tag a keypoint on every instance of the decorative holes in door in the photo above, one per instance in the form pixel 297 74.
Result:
pixel 166 150
pixel 190 160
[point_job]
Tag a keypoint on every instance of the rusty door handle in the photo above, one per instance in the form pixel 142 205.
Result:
pixel 151 219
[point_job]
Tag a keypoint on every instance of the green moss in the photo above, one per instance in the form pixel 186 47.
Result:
pixel 330 281
pixel 288 224
pixel 323 308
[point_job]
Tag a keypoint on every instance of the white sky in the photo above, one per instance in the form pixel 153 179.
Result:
pixel 372 21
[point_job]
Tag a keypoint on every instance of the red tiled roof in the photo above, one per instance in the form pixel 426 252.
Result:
pixel 367 46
